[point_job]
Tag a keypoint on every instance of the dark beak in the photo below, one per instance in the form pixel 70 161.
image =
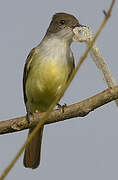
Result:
pixel 78 25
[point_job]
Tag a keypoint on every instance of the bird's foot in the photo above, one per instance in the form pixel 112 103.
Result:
pixel 62 107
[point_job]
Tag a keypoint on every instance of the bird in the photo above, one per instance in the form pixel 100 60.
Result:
pixel 47 69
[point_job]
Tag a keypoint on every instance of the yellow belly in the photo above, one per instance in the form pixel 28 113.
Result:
pixel 44 82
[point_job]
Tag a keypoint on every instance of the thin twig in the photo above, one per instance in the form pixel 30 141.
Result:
pixel 84 34
pixel 6 171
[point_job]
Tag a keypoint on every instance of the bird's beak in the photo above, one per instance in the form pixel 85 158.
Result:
pixel 78 25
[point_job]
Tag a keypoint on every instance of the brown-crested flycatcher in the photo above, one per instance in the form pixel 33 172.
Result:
pixel 47 69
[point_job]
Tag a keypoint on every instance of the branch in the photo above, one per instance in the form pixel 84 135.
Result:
pixel 10 166
pixel 79 109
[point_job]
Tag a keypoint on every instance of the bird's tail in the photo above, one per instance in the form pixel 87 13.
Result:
pixel 33 150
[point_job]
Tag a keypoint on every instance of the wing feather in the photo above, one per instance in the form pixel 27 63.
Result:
pixel 27 69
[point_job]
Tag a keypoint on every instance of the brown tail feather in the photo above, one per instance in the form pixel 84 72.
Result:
pixel 33 150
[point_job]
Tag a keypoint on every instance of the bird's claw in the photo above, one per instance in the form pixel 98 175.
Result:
pixel 62 107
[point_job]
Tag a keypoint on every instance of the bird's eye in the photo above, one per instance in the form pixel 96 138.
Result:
pixel 62 22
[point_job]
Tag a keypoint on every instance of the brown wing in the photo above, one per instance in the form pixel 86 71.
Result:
pixel 72 65
pixel 27 69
